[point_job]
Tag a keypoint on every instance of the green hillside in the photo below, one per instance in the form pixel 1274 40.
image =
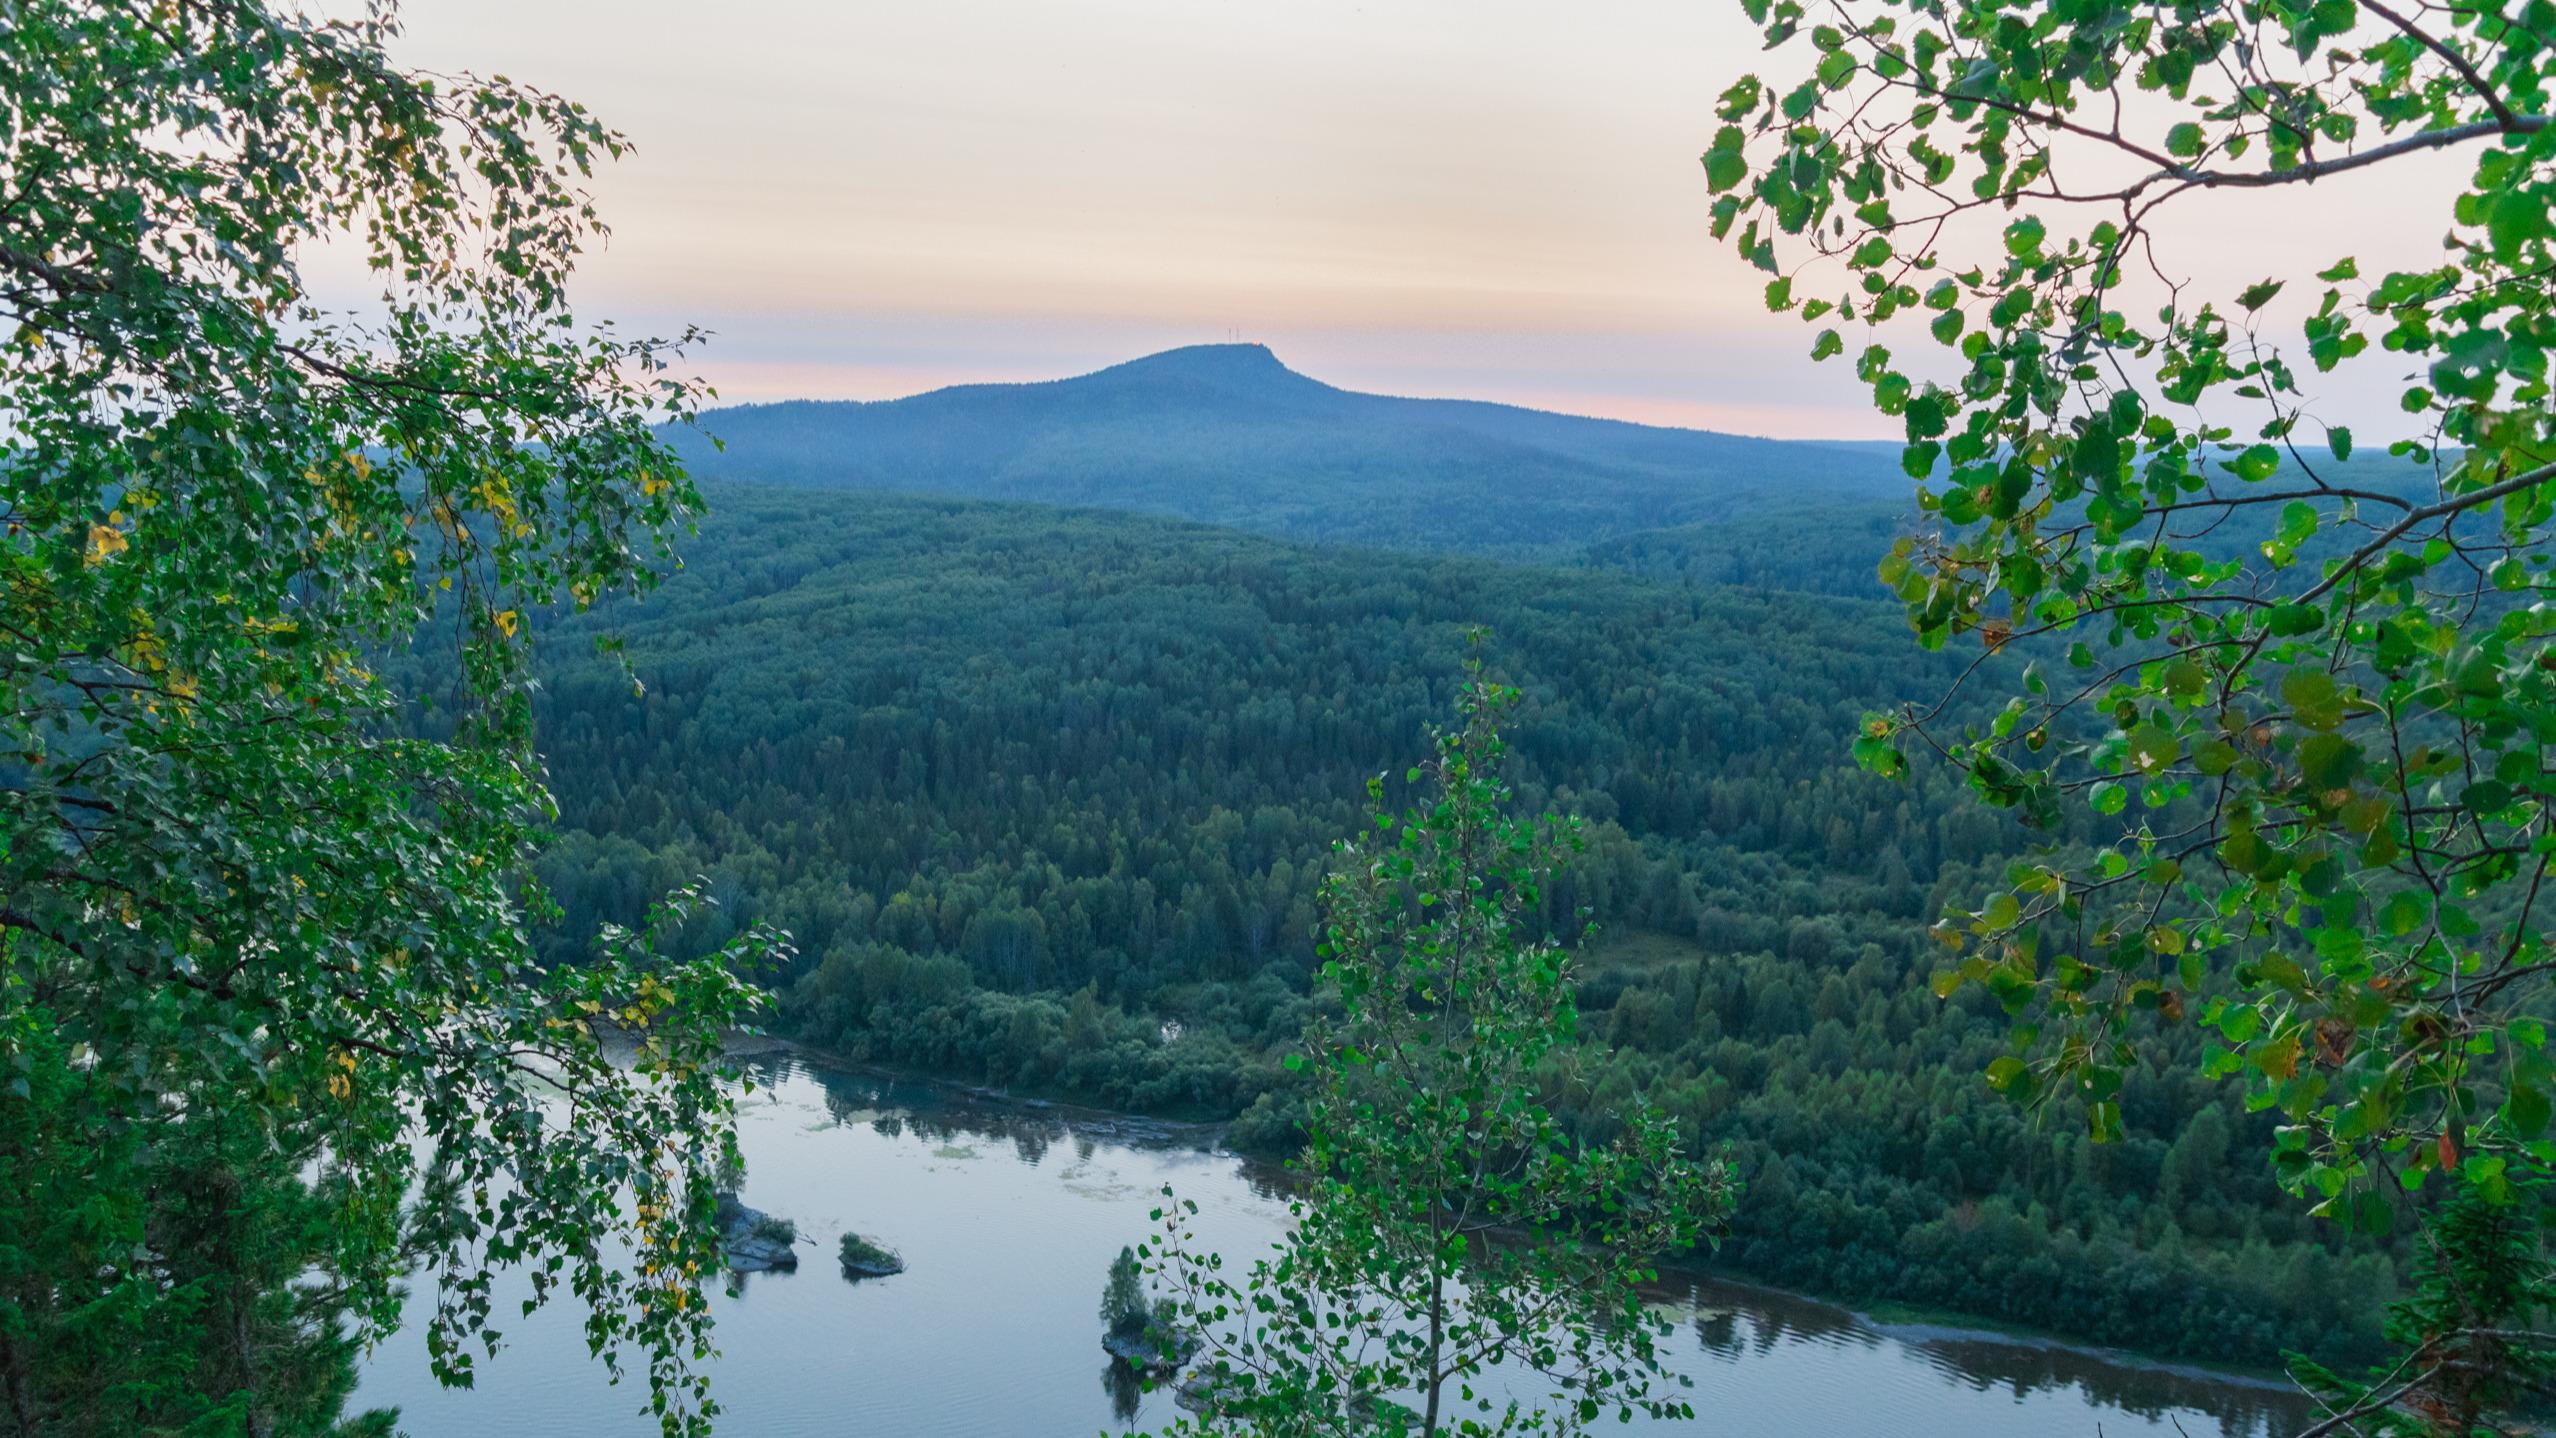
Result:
pixel 1228 435
pixel 1044 796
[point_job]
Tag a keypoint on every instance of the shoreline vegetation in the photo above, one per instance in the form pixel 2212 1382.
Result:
pixel 1123 747
pixel 1902 1321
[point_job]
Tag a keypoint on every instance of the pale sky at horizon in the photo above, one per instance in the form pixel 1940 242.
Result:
pixel 1499 201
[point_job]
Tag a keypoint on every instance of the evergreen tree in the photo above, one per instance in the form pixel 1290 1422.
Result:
pixel 2477 1355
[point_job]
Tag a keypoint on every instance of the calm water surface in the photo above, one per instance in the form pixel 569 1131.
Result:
pixel 1008 1217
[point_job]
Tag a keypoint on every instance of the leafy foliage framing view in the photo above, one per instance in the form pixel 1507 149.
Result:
pixel 291 1012
pixel 276 1039
pixel 2323 759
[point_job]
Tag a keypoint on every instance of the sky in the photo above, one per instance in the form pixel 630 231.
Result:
pixel 1494 200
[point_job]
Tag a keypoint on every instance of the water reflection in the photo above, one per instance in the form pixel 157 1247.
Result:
pixel 1126 1388
pixel 1008 1213
pixel 954 1115
pixel 1731 1321
pixel 1736 1322
pixel 2149 1391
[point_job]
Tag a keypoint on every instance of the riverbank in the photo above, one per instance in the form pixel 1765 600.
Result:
pixel 1908 1323
pixel 1101 1122
pixel 1912 1324
pixel 1010 1217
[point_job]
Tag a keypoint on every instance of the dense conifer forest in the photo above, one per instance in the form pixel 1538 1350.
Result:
pixel 1044 796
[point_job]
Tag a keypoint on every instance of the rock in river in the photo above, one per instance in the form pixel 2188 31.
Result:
pixel 866 1258
pixel 755 1241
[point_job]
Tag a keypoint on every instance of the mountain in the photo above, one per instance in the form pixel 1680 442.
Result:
pixel 1226 434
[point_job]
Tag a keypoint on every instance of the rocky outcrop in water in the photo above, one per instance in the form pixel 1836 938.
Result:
pixel 868 1258
pixel 1200 1392
pixel 755 1241
pixel 1138 1350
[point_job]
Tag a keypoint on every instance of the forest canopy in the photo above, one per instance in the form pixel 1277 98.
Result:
pixel 1046 797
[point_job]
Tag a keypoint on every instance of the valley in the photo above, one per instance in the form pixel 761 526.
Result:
pixel 1043 794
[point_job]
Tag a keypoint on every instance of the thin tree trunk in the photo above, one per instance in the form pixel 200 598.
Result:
pixel 1437 1337
pixel 246 1346
pixel 13 1376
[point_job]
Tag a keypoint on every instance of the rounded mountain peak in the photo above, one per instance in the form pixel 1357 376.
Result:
pixel 1230 366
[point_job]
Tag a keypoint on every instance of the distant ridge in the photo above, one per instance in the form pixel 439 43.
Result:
pixel 1228 434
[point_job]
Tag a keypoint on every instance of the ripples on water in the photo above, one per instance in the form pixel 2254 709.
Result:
pixel 1008 1216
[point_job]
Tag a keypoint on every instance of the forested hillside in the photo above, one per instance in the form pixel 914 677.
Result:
pixel 1044 796
pixel 1229 435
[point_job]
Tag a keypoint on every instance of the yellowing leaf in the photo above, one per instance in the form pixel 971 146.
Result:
pixel 2280 1058
pixel 105 543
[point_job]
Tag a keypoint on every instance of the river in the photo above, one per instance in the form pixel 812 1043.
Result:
pixel 1008 1215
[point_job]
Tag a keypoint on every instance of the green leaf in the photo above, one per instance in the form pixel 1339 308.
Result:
pixel 1740 98
pixel 1726 163
pixel 2154 747
pixel 2403 914
pixel 2527 1110
pixel 2328 760
pixel 2312 698
pixel 2289 620
pixel 2256 296
pixel 2486 797
pixel 2298 522
pixel 2518 216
